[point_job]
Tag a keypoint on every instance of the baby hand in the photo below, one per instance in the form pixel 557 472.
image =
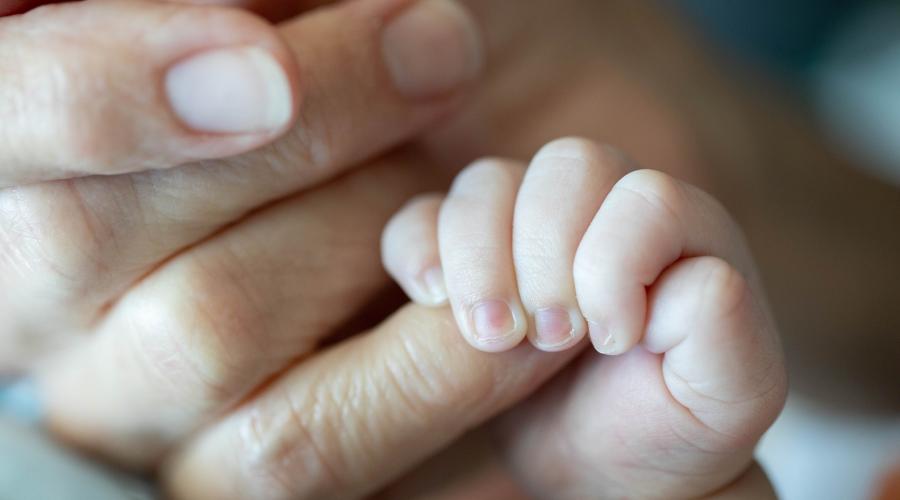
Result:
pixel 649 267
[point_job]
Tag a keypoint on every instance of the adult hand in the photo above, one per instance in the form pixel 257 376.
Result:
pixel 91 258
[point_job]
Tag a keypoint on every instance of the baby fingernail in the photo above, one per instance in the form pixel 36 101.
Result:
pixel 602 338
pixel 233 91
pixel 494 321
pixel 433 287
pixel 553 328
pixel 431 48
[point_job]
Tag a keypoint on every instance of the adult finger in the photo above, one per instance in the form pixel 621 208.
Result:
pixel 215 322
pixel 370 80
pixel 350 420
pixel 113 87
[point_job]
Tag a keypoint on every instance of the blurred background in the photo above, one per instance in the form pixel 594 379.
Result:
pixel 840 56
pixel 843 58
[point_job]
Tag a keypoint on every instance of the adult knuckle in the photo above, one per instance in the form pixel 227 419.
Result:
pixel 50 237
pixel 74 98
pixel 77 139
pixel 306 153
pixel 211 324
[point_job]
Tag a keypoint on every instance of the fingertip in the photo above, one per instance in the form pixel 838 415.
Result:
pixel 612 340
pixel 242 90
pixel 210 82
pixel 495 325
pixel 409 249
pixel 556 329
pixel 427 288
pixel 412 38
pixel 229 80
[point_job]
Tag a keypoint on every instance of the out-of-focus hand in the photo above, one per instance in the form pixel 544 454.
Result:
pixel 117 271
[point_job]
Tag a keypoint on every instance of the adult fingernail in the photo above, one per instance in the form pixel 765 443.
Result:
pixel 432 287
pixel 230 91
pixel 553 328
pixel 602 338
pixel 494 321
pixel 432 47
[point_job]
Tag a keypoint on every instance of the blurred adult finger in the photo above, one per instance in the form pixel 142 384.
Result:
pixel 370 80
pixel 212 324
pixel 210 83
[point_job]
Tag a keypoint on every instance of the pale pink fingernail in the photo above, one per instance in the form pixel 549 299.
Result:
pixel 493 321
pixel 432 47
pixel 602 338
pixel 235 90
pixel 553 328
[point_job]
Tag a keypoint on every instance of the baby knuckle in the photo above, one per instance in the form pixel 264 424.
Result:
pixel 487 171
pixel 725 290
pixel 657 190
pixel 423 202
pixel 575 148
pixel 580 158
pixel 580 147
pixel 590 266
pixel 536 251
